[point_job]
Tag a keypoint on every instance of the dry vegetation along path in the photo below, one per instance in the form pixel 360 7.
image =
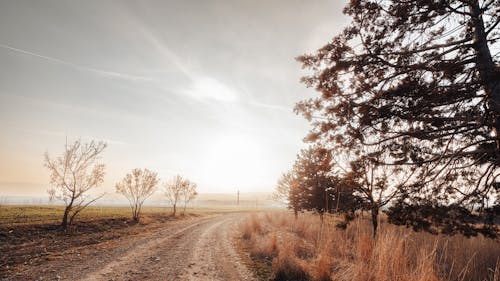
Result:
pixel 194 249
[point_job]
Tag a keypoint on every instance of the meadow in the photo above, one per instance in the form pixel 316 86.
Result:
pixel 32 215
pixel 282 248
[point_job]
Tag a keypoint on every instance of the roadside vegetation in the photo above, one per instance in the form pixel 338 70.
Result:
pixel 284 248
pixel 179 190
pixel 73 175
pixel 137 186
pixel 406 117
pixel 405 127
pixel 78 171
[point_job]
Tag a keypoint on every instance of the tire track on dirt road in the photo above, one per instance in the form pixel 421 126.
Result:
pixel 202 250
pixel 214 257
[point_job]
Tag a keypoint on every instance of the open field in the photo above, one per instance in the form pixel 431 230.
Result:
pixel 33 247
pixel 220 244
pixel 19 215
pixel 282 248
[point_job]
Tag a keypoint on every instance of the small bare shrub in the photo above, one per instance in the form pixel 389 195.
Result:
pixel 265 247
pixel 322 268
pixel 137 186
pixel 251 225
pixel 179 189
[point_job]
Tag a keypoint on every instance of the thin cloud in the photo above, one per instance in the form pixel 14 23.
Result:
pixel 166 53
pixel 201 87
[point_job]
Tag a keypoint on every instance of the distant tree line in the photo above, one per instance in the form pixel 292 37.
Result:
pixel 77 171
pixel 408 117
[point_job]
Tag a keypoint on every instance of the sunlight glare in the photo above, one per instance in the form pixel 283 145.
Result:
pixel 210 88
pixel 230 159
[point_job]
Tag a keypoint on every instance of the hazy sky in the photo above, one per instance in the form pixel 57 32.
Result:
pixel 201 88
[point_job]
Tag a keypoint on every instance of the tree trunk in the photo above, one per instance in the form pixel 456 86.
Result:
pixel 73 216
pixel 338 200
pixel 136 214
pixel 64 223
pixel 488 72
pixel 375 210
pixel 326 200
pixel 296 213
pixel 175 209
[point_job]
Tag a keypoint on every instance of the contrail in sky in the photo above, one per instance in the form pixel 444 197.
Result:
pixel 113 74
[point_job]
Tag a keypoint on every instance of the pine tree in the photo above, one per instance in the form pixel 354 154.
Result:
pixel 418 80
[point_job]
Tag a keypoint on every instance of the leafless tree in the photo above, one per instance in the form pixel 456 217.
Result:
pixel 178 189
pixel 137 186
pixel 73 174
pixel 188 193
pixel 283 187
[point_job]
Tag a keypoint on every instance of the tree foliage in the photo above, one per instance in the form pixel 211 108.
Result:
pixel 418 80
pixel 313 186
pixel 137 186
pixel 73 174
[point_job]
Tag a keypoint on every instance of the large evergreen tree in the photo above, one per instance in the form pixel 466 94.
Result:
pixel 419 80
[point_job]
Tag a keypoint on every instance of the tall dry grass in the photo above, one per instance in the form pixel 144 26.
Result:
pixel 303 249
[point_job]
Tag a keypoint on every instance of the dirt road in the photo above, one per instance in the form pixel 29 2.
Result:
pixel 192 249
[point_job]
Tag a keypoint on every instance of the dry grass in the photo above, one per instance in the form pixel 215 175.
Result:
pixel 11 215
pixel 304 250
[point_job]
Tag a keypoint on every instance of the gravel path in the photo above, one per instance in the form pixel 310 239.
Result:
pixel 199 249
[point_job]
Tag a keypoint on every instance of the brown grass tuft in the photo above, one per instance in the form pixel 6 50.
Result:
pixel 252 226
pixel 286 267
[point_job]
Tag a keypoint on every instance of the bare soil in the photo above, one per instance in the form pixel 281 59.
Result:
pixel 195 248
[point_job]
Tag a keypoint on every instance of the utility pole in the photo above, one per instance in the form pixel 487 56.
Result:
pixel 238 198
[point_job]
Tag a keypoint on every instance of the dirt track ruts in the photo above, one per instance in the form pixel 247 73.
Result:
pixel 201 249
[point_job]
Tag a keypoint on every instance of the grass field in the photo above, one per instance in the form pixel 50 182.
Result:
pixel 22 215
pixel 282 248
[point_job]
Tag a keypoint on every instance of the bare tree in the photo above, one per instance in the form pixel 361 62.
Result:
pixel 173 191
pixel 188 193
pixel 73 174
pixel 177 189
pixel 283 187
pixel 137 186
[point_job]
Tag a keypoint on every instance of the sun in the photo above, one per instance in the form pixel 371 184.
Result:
pixel 233 161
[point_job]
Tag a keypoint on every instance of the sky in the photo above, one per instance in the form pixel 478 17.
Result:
pixel 205 89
